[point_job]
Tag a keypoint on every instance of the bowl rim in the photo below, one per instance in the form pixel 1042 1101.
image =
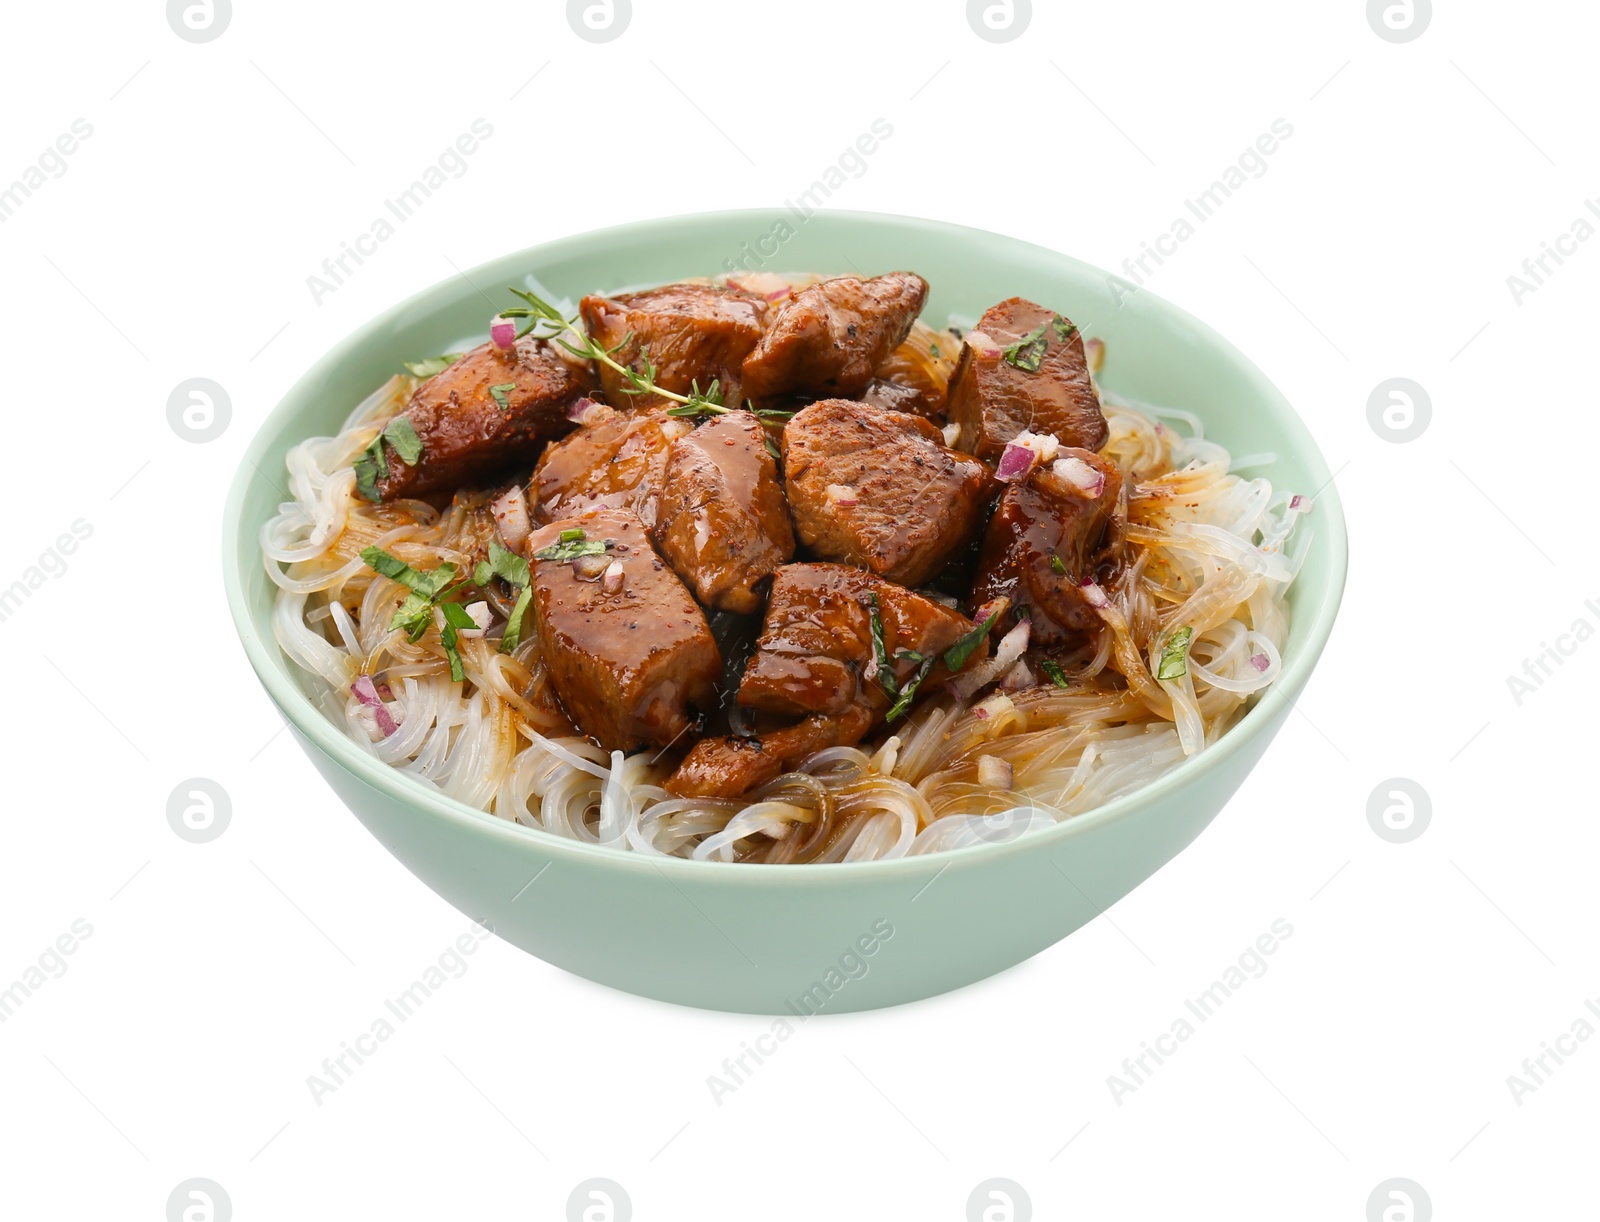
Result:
pixel 1330 552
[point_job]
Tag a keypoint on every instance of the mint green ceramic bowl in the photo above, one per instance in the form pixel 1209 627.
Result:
pixel 778 939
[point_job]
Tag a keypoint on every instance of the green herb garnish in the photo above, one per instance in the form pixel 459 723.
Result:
pixel 428 366
pixel 551 323
pixel 773 450
pixel 427 588
pixel 1028 352
pixel 402 435
pixel 1063 328
pixel 455 618
pixel 1058 565
pixel 907 692
pixel 370 468
pixel 513 570
pixel 880 652
pixel 1053 669
pixel 956 656
pixel 513 632
pixel 498 394
pixel 1175 655
pixel 573 544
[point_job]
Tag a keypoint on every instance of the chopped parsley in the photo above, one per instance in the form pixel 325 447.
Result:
pixel 499 392
pixel 401 434
pixel 428 366
pixel 1175 655
pixel 571 545
pixel 1053 668
pixel 1027 353
pixel 513 570
pixel 415 614
pixel 956 656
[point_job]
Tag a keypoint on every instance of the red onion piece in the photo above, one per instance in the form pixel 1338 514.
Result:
pixel 1087 479
pixel 1094 595
pixel 842 495
pixel 502 331
pixel 1260 661
pixel 995 772
pixel 1015 462
pixel 511 519
pixel 611 580
pixel 364 690
pixel 591 568
pixel 579 410
pixel 1299 504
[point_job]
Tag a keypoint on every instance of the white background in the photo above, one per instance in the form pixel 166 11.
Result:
pixel 177 244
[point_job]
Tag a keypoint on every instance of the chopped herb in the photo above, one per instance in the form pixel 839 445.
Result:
pixel 402 435
pixel 933 349
pixel 455 618
pixel 956 656
pixel 1053 669
pixel 903 700
pixel 416 612
pixel 1063 328
pixel 1028 352
pixel 370 468
pixel 707 404
pixel 774 413
pixel 427 584
pixel 428 366
pixel 880 652
pixel 498 394
pixel 571 549
pixel 513 632
pixel 907 655
pixel 1058 565
pixel 504 564
pixel 773 450
pixel 1175 655
pixel 570 536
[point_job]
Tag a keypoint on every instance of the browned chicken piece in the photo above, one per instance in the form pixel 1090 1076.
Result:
pixel 879 489
pixel 615 459
pixel 829 338
pixel 1042 385
pixel 692 332
pixel 731 767
pixel 467 433
pixel 627 649
pixel 722 522
pixel 915 377
pixel 1060 512
pixel 816 651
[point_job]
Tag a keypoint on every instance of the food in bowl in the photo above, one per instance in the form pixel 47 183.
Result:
pixel 770 569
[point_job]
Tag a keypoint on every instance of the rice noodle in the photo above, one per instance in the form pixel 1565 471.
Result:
pixel 1206 549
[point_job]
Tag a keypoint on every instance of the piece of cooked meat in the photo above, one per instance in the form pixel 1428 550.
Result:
pixel 1046 517
pixel 730 767
pixel 815 653
pixel 467 436
pixel 615 459
pixel 829 338
pixel 628 663
pixel 722 521
pixel 693 333
pixel 1044 387
pixel 880 489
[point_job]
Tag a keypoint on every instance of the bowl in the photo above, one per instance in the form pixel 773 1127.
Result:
pixel 796 940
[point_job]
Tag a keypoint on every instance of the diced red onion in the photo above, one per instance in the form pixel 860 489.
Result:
pixel 1094 352
pixel 502 331
pixel 981 713
pixel 1299 504
pixel 1094 595
pixel 1260 661
pixel 842 495
pixel 982 344
pixel 580 410
pixel 481 616
pixel 778 294
pixel 592 567
pixel 995 772
pixel 364 690
pixel 1015 462
pixel 611 580
pixel 1086 478
pixel 952 433
pixel 511 519
pixel 869 672
pixel 1019 678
